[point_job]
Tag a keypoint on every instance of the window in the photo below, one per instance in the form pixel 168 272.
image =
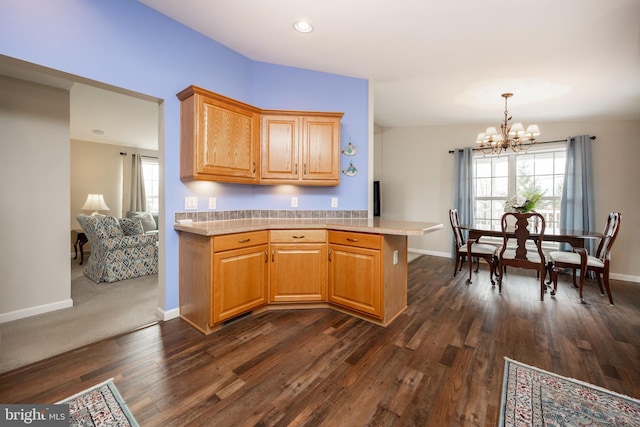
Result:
pixel 151 174
pixel 498 178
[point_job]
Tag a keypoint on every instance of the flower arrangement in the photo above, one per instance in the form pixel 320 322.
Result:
pixel 523 203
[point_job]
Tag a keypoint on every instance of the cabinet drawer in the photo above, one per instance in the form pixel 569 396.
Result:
pixel 239 240
pixel 298 236
pixel 360 240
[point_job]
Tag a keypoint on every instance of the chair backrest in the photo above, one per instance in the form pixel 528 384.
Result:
pixel 610 233
pixel 454 219
pixel 520 227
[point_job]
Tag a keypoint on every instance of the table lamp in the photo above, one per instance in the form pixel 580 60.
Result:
pixel 95 203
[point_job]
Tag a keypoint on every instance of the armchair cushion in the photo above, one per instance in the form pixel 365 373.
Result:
pixel 148 221
pixel 131 226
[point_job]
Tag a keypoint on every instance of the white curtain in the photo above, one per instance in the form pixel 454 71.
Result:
pixel 138 199
pixel 463 187
pixel 577 206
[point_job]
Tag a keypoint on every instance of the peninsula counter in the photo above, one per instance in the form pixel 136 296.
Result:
pixel 234 267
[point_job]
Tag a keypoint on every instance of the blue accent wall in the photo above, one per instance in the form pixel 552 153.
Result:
pixel 126 44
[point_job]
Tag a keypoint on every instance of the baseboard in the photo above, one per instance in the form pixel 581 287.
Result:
pixel 624 277
pixel 433 253
pixel 614 276
pixel 167 314
pixel 34 311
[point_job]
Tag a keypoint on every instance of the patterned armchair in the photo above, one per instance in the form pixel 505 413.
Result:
pixel 119 248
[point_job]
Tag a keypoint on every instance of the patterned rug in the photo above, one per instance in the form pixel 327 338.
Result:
pixel 533 397
pixel 101 405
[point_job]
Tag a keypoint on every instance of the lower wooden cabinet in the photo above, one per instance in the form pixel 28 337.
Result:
pixel 222 277
pixel 355 272
pixel 225 276
pixel 368 273
pixel 298 266
pixel 240 281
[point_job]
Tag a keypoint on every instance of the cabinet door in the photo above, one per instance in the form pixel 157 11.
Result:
pixel 355 279
pixel 240 281
pixel 298 272
pixel 279 145
pixel 321 149
pixel 228 140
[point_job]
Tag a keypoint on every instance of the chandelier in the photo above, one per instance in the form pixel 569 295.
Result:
pixel 514 136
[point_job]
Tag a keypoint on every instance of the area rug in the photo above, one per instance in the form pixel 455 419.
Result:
pixel 101 405
pixel 533 397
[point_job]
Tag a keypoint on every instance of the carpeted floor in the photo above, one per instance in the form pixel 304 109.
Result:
pixel 100 311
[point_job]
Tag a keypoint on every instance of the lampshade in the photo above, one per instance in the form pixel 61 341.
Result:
pixel 491 131
pixel 95 202
pixel 517 130
pixel 533 130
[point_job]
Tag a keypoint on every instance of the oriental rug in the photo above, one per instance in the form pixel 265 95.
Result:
pixel 533 397
pixel 100 405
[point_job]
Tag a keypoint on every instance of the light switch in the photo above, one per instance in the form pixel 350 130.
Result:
pixel 190 203
pixel 334 202
pixel 212 202
pixel 395 257
pixel 294 202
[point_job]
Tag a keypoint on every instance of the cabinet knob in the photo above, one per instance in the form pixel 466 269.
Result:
pixel 254 167
pixel 298 237
pixel 330 254
pixel 296 169
pixel 244 240
pixel 350 239
pixel 266 256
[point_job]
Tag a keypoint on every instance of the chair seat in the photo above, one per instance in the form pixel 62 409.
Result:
pixel 479 248
pixel 531 256
pixel 574 258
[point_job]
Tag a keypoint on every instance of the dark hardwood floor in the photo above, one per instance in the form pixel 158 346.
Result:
pixel 440 363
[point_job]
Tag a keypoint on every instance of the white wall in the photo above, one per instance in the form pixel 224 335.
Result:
pixel 95 169
pixel 417 172
pixel 35 273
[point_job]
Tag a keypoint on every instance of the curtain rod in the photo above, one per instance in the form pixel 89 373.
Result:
pixel 541 142
pixel 141 155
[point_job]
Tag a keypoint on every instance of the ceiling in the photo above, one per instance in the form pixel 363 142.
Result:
pixel 430 63
pixel 447 62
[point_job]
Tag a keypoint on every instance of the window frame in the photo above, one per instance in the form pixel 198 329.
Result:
pixel 152 198
pixel 559 156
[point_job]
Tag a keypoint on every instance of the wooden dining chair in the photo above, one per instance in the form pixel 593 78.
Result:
pixel 522 235
pixel 579 259
pixel 478 250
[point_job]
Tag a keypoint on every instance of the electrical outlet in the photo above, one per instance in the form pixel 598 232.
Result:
pixel 190 203
pixel 212 202
pixel 334 202
pixel 294 202
pixel 395 257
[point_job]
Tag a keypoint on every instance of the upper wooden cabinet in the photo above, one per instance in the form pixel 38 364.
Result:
pixel 219 138
pixel 300 148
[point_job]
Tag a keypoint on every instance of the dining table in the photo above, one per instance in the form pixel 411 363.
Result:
pixel 575 238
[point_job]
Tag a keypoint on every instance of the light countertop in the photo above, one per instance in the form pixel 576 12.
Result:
pixel 360 225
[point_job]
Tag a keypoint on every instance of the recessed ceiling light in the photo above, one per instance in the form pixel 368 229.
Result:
pixel 98 131
pixel 302 26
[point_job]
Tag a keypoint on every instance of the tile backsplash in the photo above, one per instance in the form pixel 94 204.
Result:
pixel 275 214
